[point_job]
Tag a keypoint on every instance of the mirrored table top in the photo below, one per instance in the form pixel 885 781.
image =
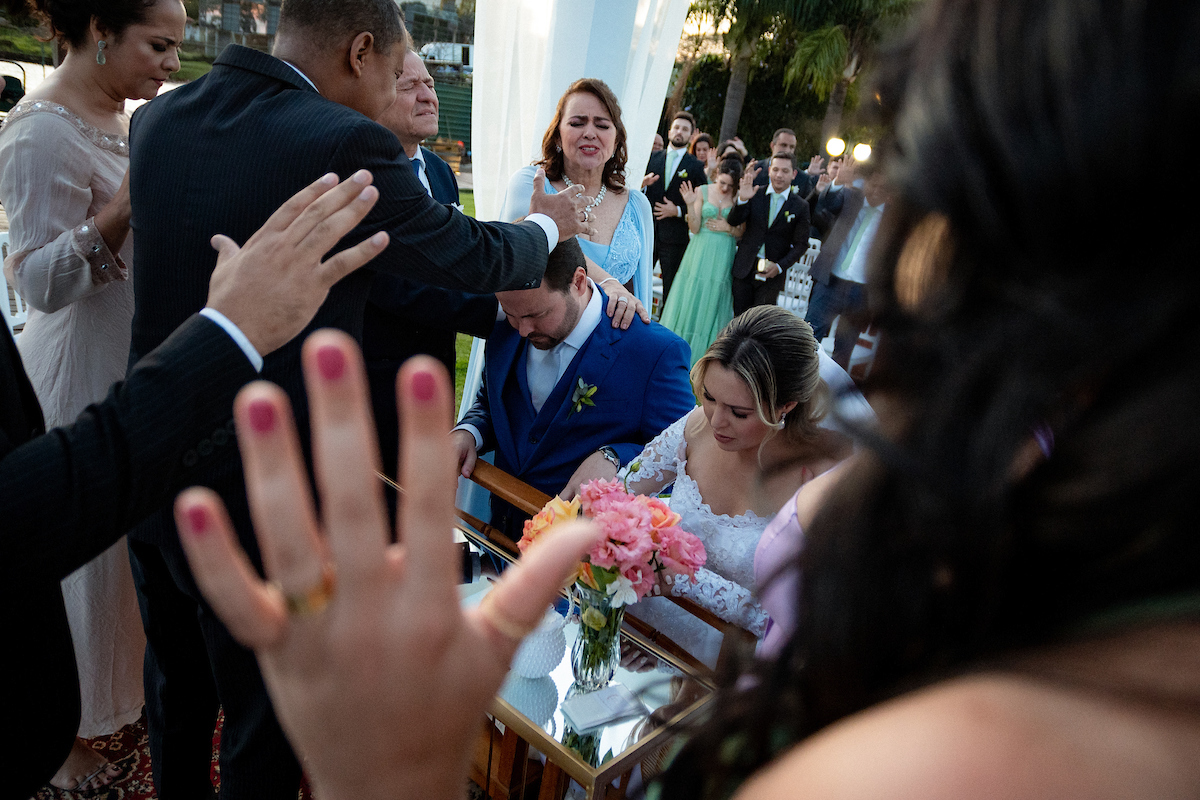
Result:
pixel 532 696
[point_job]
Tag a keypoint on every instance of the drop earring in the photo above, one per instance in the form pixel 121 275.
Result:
pixel 100 45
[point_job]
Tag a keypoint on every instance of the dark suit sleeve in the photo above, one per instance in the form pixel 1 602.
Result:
pixel 740 212
pixel 799 236
pixel 431 242
pixel 655 166
pixel 424 306
pixel 668 396
pixel 70 494
pixel 480 415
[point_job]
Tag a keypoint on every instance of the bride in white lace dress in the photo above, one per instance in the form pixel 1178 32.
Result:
pixel 734 461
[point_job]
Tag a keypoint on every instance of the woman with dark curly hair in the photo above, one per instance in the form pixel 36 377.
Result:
pixel 584 151
pixel 64 158
pixel 1000 596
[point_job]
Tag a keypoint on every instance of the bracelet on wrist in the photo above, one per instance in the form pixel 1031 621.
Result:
pixel 611 456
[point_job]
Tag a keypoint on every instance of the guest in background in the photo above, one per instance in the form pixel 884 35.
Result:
pixel 730 149
pixel 704 150
pixel 776 235
pixel 657 144
pixel 672 167
pixel 65 155
pixel 840 272
pixel 702 304
pixel 783 141
pixel 404 317
pixel 583 151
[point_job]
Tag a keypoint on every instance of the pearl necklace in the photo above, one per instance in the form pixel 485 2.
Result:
pixel 599 195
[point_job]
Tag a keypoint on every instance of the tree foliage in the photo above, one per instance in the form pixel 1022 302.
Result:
pixel 769 108
pixel 819 61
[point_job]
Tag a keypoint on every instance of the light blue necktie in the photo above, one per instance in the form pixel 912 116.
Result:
pixel 673 157
pixel 868 214
pixel 776 203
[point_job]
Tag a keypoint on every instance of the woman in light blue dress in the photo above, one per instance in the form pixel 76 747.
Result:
pixel 584 151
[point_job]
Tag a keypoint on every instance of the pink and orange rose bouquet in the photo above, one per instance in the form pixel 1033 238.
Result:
pixel 642 545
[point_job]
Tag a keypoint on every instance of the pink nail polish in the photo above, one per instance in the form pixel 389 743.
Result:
pixel 262 416
pixel 423 386
pixel 331 362
pixel 197 519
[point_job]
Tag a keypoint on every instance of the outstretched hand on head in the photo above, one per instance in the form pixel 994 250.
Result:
pixel 567 209
pixel 379 678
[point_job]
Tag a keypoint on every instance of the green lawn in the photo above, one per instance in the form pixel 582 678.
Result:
pixel 462 345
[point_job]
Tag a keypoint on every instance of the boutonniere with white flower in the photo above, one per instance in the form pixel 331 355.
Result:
pixel 681 174
pixel 582 396
pixel 789 216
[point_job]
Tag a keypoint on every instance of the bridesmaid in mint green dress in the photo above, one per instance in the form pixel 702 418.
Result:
pixel 701 301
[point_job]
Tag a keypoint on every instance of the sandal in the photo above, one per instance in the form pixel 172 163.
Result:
pixel 93 782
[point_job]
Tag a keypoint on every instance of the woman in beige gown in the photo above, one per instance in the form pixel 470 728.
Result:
pixel 63 160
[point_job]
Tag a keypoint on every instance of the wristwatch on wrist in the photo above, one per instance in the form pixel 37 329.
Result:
pixel 611 455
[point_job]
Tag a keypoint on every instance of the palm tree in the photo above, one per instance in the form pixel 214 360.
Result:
pixel 830 57
pixel 749 21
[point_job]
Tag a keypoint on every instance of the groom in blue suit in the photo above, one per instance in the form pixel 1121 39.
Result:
pixel 565 396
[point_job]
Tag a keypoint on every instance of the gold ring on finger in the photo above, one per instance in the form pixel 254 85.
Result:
pixel 314 599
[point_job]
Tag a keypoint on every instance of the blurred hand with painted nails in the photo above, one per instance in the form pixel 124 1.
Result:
pixel 377 675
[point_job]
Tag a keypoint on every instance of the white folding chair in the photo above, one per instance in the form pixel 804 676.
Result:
pixel 863 356
pixel 797 287
pixel 16 310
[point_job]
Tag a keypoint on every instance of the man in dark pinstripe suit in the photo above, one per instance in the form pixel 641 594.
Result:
pixel 70 493
pixel 218 154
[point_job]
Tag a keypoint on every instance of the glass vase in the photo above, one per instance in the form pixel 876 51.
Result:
pixel 597 649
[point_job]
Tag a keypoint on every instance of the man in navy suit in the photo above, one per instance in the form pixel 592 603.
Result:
pixel 218 155
pixel 672 167
pixel 403 317
pixel 566 398
pixel 776 231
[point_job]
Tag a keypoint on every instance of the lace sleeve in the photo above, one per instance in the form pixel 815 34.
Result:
pixel 657 465
pixel 730 601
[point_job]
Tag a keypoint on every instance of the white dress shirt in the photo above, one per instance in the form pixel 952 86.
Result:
pixel 851 264
pixel 236 334
pixel 422 175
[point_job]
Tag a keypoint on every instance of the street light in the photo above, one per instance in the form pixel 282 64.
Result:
pixel 835 146
pixel 862 151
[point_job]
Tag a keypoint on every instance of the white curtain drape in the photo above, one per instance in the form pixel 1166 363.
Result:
pixel 527 52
